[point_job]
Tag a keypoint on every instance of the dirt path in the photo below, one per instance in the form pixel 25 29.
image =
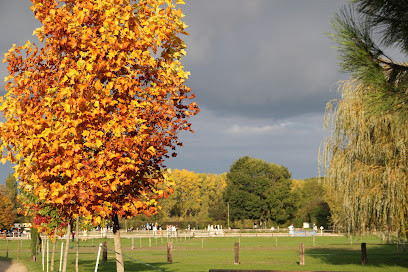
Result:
pixel 6 266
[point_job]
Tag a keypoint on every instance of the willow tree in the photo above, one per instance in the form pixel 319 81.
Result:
pixel 366 177
pixel 92 115
pixel 366 154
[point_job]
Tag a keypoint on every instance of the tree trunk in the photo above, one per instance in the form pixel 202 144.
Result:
pixel 34 244
pixel 54 244
pixel 120 266
pixel 64 265
pixel 77 244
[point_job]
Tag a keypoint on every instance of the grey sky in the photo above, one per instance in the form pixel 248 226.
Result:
pixel 262 71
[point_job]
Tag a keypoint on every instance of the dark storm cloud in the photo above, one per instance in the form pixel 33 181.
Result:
pixel 220 140
pixel 261 58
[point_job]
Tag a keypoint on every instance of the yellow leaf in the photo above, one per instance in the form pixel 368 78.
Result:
pixel 46 132
pixel 18 156
pixel 3 160
pixel 151 150
pixel 183 74
pixel 177 55
pixel 117 132
pixel 89 67
pixel 72 73
pixel 111 55
pixel 8 78
pixel 42 194
pixel 97 220
pixel 99 143
pixel 81 63
pixel 180 2
pixel 3 106
pixel 88 144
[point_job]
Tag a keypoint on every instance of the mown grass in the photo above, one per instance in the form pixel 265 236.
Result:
pixel 197 254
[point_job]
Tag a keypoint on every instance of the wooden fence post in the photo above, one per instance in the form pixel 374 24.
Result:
pixel 105 252
pixel 363 253
pixel 7 248
pixel 236 253
pixel 169 252
pixel 301 254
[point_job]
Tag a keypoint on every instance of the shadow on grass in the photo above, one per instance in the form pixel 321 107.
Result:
pixel 378 255
pixel 5 263
pixel 130 265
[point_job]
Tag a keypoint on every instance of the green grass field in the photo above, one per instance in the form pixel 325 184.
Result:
pixel 197 254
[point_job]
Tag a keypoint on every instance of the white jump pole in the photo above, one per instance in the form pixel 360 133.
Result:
pixel 43 253
pixel 97 259
pixel 48 251
pixel 62 249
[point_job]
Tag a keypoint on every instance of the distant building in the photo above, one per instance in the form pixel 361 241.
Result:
pixel 307 225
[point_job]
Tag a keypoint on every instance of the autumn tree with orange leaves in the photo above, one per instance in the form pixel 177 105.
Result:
pixel 7 214
pixel 93 113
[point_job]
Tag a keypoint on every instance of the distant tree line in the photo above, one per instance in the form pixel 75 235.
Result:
pixel 254 190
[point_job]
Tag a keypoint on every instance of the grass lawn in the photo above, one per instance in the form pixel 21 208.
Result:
pixel 197 254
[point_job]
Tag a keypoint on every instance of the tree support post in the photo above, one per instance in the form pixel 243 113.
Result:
pixel 105 252
pixel 363 253
pixel 301 254
pixel 169 252
pixel 236 253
